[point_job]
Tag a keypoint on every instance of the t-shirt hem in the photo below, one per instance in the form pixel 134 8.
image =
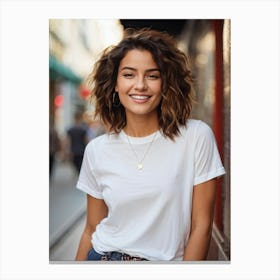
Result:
pixel 209 176
pixel 89 191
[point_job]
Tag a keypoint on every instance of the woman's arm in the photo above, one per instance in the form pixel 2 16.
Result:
pixel 96 211
pixel 203 203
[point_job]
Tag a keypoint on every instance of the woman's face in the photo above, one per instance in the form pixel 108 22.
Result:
pixel 139 84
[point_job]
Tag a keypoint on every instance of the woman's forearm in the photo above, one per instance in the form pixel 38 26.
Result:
pixel 84 247
pixel 96 211
pixel 198 245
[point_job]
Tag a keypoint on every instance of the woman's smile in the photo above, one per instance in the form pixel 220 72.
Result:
pixel 140 98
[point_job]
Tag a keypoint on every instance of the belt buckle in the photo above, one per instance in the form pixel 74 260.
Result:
pixel 104 258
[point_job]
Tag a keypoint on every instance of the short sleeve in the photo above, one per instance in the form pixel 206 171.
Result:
pixel 208 163
pixel 87 181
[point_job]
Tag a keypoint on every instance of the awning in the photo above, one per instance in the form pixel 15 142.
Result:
pixel 60 71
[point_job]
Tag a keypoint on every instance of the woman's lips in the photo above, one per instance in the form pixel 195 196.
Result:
pixel 140 98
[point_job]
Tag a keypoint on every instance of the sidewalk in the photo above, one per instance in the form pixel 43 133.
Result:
pixel 66 204
pixel 66 248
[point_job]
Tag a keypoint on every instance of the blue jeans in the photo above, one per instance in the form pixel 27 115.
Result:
pixel 93 255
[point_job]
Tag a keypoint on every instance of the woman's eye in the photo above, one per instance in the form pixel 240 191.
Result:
pixel 153 77
pixel 128 75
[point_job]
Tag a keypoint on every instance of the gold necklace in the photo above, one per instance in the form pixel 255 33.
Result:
pixel 140 162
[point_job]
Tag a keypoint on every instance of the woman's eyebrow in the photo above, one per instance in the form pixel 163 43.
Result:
pixel 134 69
pixel 153 69
pixel 128 68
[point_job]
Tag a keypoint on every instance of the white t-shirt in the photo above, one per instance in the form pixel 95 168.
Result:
pixel 149 210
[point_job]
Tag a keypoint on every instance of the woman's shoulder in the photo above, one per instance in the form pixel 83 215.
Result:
pixel 103 140
pixel 196 128
pixel 195 124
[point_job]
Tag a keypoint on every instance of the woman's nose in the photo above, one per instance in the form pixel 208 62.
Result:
pixel 140 83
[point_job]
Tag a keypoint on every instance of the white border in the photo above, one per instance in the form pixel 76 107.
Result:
pixel 254 152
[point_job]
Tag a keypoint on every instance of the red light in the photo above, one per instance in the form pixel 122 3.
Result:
pixel 58 100
pixel 84 92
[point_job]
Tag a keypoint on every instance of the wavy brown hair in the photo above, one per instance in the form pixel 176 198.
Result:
pixel 176 103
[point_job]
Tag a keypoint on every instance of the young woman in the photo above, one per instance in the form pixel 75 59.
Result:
pixel 150 180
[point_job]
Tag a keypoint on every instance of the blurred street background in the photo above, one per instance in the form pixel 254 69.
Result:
pixel 74 47
pixel 67 207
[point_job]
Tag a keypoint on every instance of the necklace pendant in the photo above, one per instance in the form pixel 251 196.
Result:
pixel 140 166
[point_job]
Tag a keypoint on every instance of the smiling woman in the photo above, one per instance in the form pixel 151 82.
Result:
pixel 150 180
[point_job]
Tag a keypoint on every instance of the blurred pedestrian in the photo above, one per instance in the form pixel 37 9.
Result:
pixel 54 146
pixel 150 180
pixel 94 128
pixel 77 139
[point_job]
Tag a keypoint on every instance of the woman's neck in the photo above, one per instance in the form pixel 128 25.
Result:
pixel 141 127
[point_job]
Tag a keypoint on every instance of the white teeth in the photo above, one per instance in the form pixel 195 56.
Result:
pixel 140 97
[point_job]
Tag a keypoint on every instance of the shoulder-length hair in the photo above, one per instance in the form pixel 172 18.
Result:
pixel 176 103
